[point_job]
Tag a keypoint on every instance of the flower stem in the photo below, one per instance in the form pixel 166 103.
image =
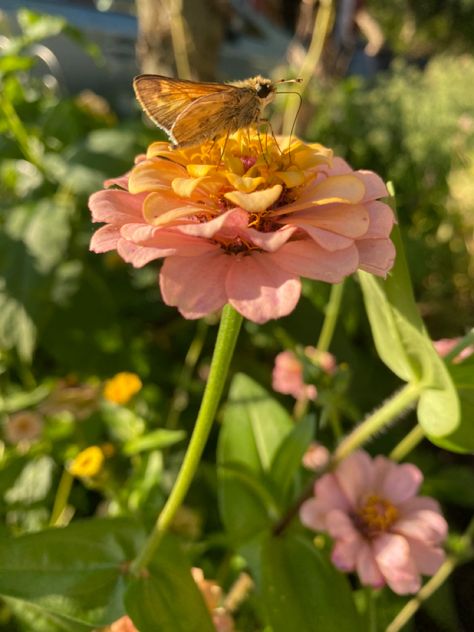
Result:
pixel 18 130
pixel 311 60
pixel 330 319
pixel 461 345
pixel 402 400
pixel 225 344
pixel 408 443
pixel 62 496
pixel 180 395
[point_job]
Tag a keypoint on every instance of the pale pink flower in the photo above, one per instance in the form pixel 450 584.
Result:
pixel 212 594
pixel 25 426
pixel 325 360
pixel 287 377
pixel 316 456
pixel 124 624
pixel 445 345
pixel 243 226
pixel 381 528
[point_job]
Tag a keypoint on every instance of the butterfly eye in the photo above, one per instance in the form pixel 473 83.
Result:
pixel 264 90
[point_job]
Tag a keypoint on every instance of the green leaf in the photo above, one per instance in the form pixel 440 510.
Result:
pixel 33 483
pixel 13 402
pixel 303 591
pixel 287 460
pixel 36 618
pixel 156 440
pixel 36 26
pixel 33 242
pixel 166 597
pixel 254 427
pixel 404 346
pixel 462 438
pixel 452 484
pixel 75 572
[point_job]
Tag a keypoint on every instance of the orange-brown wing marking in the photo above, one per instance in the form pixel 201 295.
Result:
pixel 207 117
pixel 163 98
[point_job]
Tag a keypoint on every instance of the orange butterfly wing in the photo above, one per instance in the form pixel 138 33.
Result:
pixel 165 98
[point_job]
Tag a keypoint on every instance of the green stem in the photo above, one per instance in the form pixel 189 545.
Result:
pixel 394 407
pixel 311 60
pixel 330 319
pixel 371 610
pixel 19 132
pixel 225 344
pixel 180 394
pixel 178 39
pixel 461 345
pixel 407 444
pixel 62 496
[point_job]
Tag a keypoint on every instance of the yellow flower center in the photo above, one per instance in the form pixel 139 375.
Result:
pixel 375 516
pixel 249 170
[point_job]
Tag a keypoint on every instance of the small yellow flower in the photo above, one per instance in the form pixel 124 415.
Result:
pixel 87 463
pixel 122 387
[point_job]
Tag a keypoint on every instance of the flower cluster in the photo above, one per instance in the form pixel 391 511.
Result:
pixel 241 224
pixel 382 529
pixel 288 372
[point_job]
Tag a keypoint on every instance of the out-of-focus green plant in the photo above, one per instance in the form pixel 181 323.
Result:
pixel 416 128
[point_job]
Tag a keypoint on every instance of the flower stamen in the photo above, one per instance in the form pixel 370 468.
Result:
pixel 376 516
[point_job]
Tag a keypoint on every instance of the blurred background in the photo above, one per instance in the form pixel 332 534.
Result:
pixel 392 91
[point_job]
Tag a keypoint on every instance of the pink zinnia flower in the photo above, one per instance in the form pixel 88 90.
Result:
pixel 243 226
pixel 382 529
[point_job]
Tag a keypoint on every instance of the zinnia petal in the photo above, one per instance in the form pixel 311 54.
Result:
pixel 257 201
pixel 354 475
pixel 259 289
pixel 401 483
pixel 376 255
pixel 393 557
pixel 345 552
pixel 197 289
pixel 367 568
pixel 105 238
pixel 307 259
pixel 427 558
pixel 426 526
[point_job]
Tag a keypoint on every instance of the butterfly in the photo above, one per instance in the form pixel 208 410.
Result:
pixel 191 112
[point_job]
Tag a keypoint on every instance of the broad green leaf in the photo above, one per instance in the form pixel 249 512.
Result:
pixel 462 438
pixel 155 440
pixel 32 244
pixel 255 424
pixel 303 591
pixel 33 483
pixel 36 618
pixel 404 346
pixel 166 598
pixel 287 460
pixel 254 427
pixel 75 572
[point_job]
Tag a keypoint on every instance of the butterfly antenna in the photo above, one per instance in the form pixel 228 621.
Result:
pixel 296 115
